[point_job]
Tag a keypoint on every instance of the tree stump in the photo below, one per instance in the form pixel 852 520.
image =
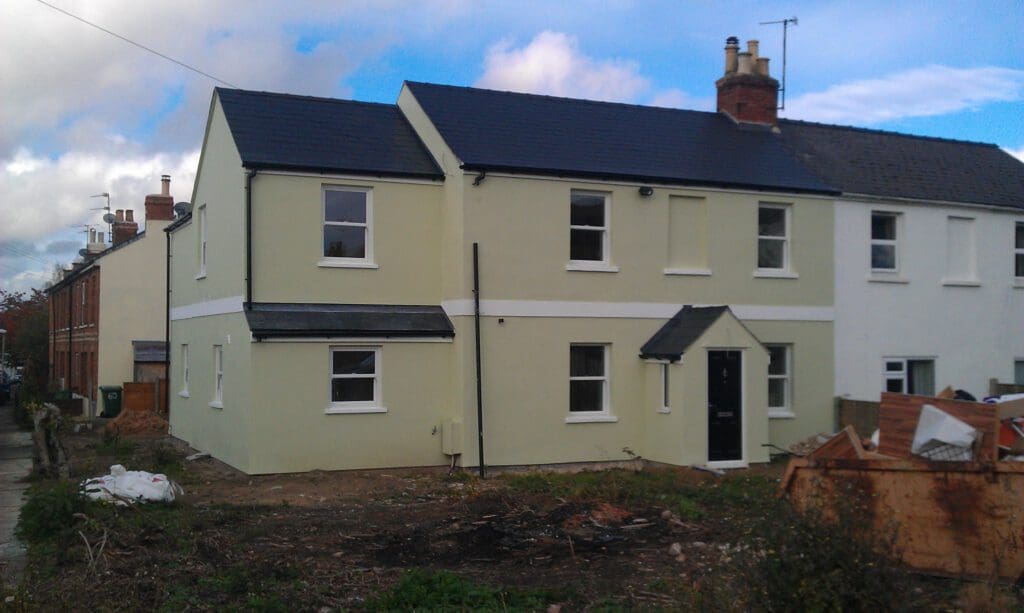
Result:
pixel 49 457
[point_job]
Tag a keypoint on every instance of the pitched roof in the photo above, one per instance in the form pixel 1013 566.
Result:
pixel 494 130
pixel 285 131
pixel 889 164
pixel 672 340
pixel 277 319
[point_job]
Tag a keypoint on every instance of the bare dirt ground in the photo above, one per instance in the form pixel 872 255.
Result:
pixel 338 540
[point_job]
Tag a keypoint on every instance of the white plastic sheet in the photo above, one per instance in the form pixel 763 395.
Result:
pixel 129 486
pixel 940 436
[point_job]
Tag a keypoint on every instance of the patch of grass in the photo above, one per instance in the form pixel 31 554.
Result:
pixel 113 445
pixel 49 513
pixel 420 590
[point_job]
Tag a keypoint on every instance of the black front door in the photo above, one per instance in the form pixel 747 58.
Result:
pixel 725 437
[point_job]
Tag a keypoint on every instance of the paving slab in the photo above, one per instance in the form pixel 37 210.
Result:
pixel 15 465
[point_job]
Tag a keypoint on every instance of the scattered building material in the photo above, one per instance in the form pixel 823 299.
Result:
pixel 123 487
pixel 940 436
pixel 139 415
pixel 899 415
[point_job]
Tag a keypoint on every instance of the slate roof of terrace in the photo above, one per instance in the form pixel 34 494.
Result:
pixel 895 165
pixel 546 135
pixel 278 319
pixel 288 132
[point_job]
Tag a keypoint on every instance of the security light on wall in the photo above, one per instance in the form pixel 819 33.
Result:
pixel 646 190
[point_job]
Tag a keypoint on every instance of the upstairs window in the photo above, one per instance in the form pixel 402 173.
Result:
pixel 347 225
pixel 1018 251
pixel 202 242
pixel 588 229
pixel 773 237
pixel 884 227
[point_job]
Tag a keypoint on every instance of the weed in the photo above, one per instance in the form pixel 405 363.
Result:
pixel 113 445
pixel 49 513
pixel 420 590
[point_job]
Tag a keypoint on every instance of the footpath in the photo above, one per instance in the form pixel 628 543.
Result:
pixel 15 465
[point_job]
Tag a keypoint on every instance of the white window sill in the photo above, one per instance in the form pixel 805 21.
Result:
pixel 184 394
pixel 728 464
pixel 781 414
pixel 344 410
pixel 327 263
pixel 961 283
pixel 216 404
pixel 764 273
pixel 591 267
pixel 688 272
pixel 201 275
pixel 664 410
pixel 588 419
pixel 881 277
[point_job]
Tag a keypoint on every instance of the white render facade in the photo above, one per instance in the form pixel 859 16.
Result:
pixel 942 305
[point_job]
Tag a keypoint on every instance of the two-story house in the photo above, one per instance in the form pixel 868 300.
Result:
pixel 929 259
pixel 110 301
pixel 358 283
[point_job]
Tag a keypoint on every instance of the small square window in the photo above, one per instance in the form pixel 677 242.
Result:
pixel 910 376
pixel 355 380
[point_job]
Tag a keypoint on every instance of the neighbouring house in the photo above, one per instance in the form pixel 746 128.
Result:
pixel 111 303
pixel 929 259
pixel 652 282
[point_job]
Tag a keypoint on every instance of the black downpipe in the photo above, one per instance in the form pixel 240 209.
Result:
pixel 248 237
pixel 479 368
pixel 167 328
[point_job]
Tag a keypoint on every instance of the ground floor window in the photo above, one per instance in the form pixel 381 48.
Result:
pixel 779 383
pixel 218 376
pixel 1018 372
pixel 665 406
pixel 355 380
pixel 588 379
pixel 910 376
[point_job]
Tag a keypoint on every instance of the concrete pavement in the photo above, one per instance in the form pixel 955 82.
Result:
pixel 15 465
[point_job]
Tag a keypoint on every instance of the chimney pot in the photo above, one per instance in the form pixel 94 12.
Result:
pixel 747 93
pixel 746 63
pixel 92 235
pixel 762 67
pixel 129 215
pixel 119 215
pixel 752 47
pixel 165 185
pixel 732 45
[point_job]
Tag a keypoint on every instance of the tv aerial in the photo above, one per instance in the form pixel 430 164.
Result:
pixel 108 217
pixel 785 28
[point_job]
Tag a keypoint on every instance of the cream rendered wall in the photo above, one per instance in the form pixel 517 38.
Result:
pixel 225 433
pixel 681 435
pixel 289 430
pixel 133 299
pixel 972 331
pixel 288 243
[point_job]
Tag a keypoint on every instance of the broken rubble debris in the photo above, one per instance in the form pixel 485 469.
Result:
pixel 675 549
pixel 940 436
pixel 123 487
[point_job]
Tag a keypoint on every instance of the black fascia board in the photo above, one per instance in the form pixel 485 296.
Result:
pixel 607 176
pixel 334 333
pixel 360 172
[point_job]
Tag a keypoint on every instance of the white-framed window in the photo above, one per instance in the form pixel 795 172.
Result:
pixel 184 371
pixel 1018 250
pixel 589 398
pixel 218 377
pixel 588 229
pixel 884 241
pixel 909 376
pixel 960 250
pixel 780 383
pixel 355 380
pixel 773 237
pixel 348 226
pixel 1018 372
pixel 201 249
pixel 665 405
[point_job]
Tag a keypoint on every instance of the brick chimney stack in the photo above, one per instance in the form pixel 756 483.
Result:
pixel 747 92
pixel 124 227
pixel 161 206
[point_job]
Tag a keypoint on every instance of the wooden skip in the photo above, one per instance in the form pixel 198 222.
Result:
pixel 899 413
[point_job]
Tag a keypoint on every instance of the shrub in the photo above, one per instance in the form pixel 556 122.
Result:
pixel 49 512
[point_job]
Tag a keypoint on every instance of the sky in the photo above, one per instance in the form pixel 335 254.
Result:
pixel 83 112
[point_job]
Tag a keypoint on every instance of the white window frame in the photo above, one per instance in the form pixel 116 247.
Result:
pixel 666 399
pixel 202 242
pixel 902 375
pixel 604 264
pixel 895 243
pixel 1017 251
pixel 373 406
pixel 338 262
pixel 184 371
pixel 786 410
pixel 218 377
pixel 784 239
pixel 605 414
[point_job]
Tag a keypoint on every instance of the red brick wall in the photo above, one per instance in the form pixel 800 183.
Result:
pixel 77 302
pixel 749 98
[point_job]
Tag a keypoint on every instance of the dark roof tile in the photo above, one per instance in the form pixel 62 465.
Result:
pixel 276 319
pixel 672 340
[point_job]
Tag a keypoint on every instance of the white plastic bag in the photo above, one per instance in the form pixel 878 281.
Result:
pixel 940 436
pixel 123 486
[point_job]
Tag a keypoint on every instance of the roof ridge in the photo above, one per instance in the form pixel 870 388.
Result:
pixel 666 109
pixel 303 97
pixel 888 132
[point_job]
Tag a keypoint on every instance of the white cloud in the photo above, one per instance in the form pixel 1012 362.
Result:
pixel 553 64
pixel 678 99
pixel 1017 153
pixel 921 92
